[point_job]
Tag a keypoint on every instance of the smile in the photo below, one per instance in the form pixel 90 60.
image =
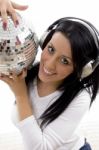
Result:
pixel 48 72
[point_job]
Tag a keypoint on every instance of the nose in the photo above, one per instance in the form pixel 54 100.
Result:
pixel 51 64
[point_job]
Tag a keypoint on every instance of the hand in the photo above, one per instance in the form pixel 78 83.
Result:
pixel 8 7
pixel 19 88
pixel 16 83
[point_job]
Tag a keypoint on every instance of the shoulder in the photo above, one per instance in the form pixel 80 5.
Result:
pixel 78 107
pixel 83 95
pixel 82 100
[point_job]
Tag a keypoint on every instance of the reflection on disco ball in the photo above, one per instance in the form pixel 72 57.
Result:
pixel 18 46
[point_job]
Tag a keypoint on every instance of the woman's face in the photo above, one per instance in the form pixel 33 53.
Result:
pixel 56 60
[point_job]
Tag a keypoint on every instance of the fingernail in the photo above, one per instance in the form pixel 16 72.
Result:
pixel 16 23
pixel 4 25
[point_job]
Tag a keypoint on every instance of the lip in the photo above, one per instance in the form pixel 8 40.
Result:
pixel 47 72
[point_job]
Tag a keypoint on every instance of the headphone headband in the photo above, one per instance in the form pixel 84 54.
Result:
pixel 87 24
pixel 92 64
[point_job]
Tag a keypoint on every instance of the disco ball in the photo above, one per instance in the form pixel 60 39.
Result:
pixel 18 46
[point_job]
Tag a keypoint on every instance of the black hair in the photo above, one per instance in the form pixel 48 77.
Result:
pixel 84 49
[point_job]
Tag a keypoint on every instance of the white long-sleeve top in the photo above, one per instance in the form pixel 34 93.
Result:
pixel 61 134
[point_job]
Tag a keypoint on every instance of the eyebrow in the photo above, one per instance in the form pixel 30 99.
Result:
pixel 62 55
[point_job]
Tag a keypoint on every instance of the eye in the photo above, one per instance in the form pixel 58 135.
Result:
pixel 64 61
pixel 50 49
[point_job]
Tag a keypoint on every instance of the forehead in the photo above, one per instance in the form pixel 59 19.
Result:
pixel 61 43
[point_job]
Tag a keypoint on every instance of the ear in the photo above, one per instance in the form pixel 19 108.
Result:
pixel 87 69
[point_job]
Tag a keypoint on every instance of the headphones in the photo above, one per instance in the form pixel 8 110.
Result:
pixel 89 68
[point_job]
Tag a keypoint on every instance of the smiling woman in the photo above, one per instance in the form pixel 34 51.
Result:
pixel 56 60
pixel 58 91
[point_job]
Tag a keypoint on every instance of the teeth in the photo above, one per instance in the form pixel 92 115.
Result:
pixel 47 72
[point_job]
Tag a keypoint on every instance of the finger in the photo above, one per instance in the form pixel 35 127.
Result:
pixel 13 75
pixel 19 7
pixel 23 74
pixel 13 15
pixel 4 18
pixel 6 79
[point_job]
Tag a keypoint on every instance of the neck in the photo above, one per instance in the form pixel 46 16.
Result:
pixel 45 88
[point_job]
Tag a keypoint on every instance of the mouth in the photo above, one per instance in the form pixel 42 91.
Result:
pixel 47 72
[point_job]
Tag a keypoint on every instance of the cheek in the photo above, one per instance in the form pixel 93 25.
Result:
pixel 64 71
pixel 44 55
pixel 43 58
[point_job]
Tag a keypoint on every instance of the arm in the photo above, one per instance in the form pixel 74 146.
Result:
pixel 57 133
pixel 60 131
pixel 18 86
pixel 7 6
pixel 23 106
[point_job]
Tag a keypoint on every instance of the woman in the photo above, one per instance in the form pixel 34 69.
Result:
pixel 53 97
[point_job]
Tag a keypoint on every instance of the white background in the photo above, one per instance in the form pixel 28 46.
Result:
pixel 42 13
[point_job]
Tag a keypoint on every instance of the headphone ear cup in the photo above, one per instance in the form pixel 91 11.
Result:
pixel 87 70
pixel 42 39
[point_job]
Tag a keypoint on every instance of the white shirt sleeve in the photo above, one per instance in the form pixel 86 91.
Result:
pixel 59 131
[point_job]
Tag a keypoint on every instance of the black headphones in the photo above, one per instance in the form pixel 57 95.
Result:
pixel 89 68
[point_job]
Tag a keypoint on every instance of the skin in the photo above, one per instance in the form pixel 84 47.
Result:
pixel 8 7
pixel 52 69
pixel 58 64
pixel 18 86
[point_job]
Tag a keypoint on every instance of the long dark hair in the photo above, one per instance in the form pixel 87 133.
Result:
pixel 83 49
